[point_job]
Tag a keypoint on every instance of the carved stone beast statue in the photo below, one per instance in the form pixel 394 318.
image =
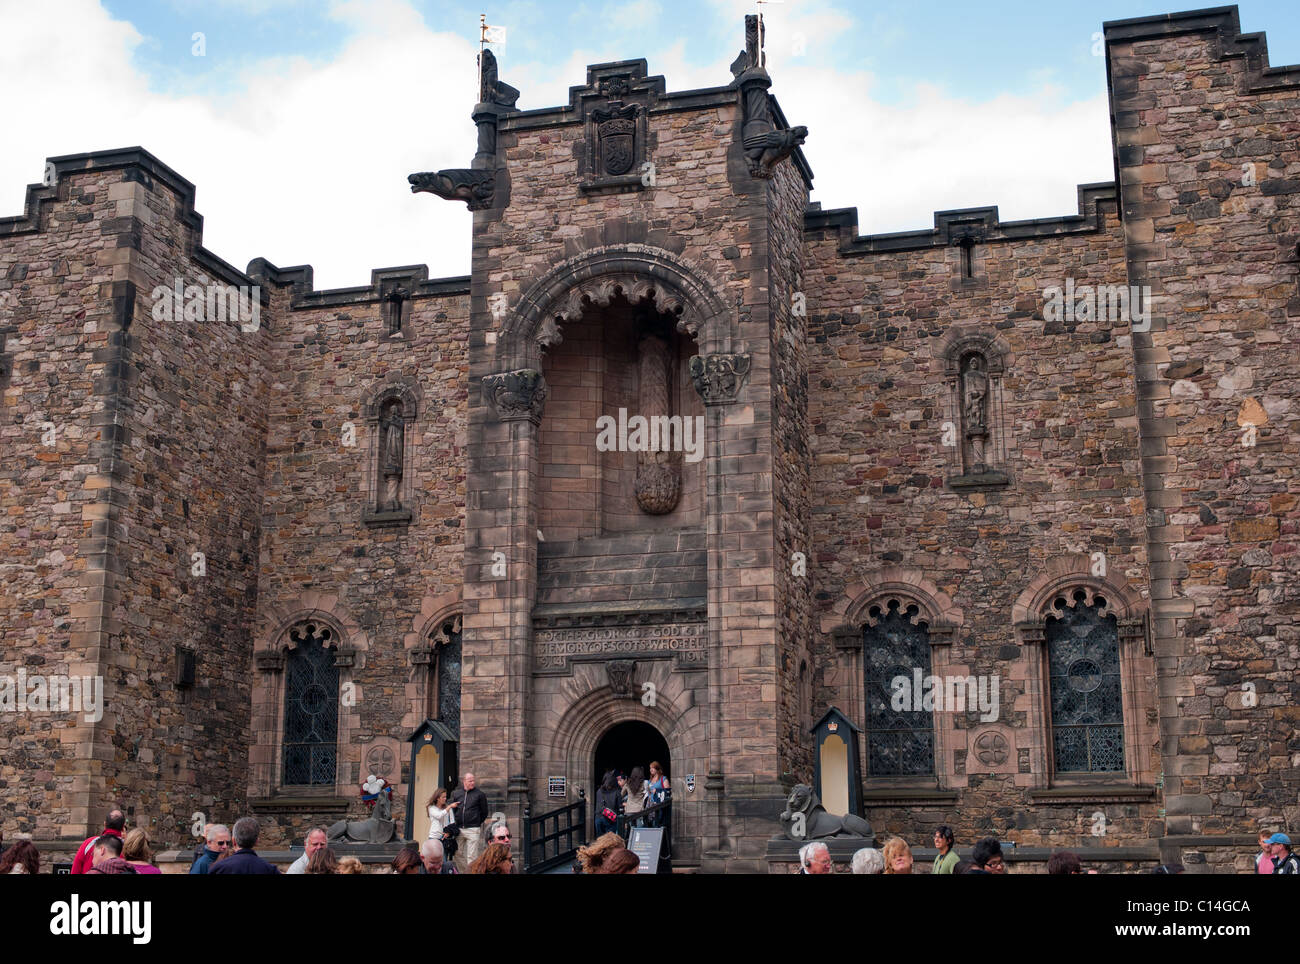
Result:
pixel 804 812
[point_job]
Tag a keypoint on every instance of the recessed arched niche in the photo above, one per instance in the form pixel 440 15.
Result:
pixel 621 443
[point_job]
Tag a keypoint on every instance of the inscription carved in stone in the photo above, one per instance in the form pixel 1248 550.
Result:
pixel 555 648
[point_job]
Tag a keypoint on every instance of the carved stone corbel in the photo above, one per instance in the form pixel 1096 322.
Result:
pixel 1032 632
pixel 720 377
pixel 269 661
pixel 516 395
pixel 620 677
pixel 421 655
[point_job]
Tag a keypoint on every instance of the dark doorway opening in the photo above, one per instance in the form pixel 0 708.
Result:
pixel 627 745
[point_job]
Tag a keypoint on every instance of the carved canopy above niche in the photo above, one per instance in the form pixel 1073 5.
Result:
pixel 601 291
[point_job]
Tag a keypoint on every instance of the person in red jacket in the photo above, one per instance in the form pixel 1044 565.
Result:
pixel 113 826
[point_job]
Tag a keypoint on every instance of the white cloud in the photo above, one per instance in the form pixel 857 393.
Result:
pixel 307 162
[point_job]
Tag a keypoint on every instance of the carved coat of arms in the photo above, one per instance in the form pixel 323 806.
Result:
pixel 616 130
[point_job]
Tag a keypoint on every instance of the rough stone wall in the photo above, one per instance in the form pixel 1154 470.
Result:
pixel 884 514
pixel 386 586
pixel 791 466
pixel 1208 159
pixel 58 313
pixel 194 428
pixel 171 460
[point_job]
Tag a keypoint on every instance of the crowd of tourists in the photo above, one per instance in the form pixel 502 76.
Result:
pixel 466 838
pixel 895 857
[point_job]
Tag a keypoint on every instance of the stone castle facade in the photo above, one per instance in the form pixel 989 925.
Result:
pixel 285 545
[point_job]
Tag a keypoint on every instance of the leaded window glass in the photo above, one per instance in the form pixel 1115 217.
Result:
pixel 1084 678
pixel 900 742
pixel 311 715
pixel 448 674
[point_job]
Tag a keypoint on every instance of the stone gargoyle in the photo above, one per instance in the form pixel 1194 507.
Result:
pixel 816 823
pixel 765 151
pixel 457 184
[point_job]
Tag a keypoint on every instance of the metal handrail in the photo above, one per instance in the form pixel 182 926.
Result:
pixel 569 823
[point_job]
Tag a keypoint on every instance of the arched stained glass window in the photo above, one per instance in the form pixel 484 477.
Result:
pixel 900 742
pixel 1084 679
pixel 447 669
pixel 311 714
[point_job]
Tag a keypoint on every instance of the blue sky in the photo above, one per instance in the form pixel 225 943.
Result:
pixel 981 49
pixel 300 121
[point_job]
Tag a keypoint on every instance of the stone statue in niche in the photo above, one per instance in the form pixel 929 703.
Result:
pixel 392 451
pixel 975 420
pixel 396 299
pixel 658 484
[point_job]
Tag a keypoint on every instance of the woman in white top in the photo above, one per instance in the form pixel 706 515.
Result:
pixel 441 813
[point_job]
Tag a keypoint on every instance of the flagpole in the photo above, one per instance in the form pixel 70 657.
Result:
pixel 482 43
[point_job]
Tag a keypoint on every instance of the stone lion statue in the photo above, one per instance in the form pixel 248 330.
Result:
pixel 816 823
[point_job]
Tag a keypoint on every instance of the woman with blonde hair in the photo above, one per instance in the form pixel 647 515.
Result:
pixel 898 856
pixel 136 852
pixel 350 865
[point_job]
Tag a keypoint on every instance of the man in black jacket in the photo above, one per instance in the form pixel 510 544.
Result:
pixel 471 810
pixel 245 859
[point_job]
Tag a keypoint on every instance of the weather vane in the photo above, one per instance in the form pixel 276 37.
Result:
pixel 488 34
pixel 762 30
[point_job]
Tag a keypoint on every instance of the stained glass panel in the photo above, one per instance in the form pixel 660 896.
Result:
pixel 900 742
pixel 1087 714
pixel 449 665
pixel 310 709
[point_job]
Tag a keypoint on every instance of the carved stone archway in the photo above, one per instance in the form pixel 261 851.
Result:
pixel 639 272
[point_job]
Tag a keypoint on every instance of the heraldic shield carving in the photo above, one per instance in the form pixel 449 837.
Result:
pixel 616 138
